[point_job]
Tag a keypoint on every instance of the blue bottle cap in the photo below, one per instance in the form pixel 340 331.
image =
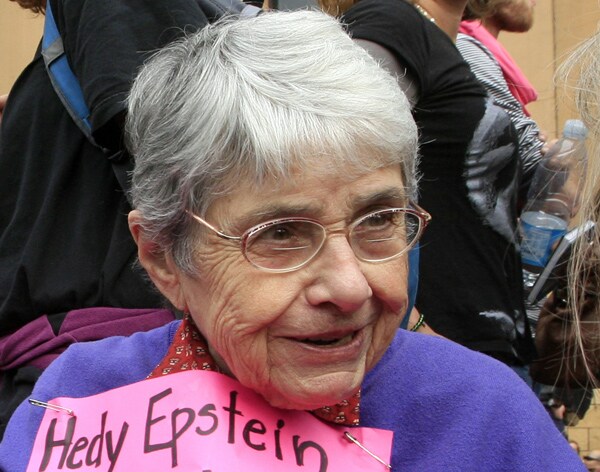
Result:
pixel 575 129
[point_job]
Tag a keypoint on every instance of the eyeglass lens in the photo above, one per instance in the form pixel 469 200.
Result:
pixel 384 234
pixel 289 243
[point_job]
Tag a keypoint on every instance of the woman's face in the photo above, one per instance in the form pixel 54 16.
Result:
pixel 301 339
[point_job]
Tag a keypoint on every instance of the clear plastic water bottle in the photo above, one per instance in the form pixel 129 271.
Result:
pixel 553 199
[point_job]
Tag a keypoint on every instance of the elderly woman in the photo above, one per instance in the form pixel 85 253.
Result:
pixel 272 191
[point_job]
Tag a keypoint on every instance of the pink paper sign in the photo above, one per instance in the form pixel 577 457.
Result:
pixel 196 421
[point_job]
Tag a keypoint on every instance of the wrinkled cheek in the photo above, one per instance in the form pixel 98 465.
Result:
pixel 247 358
pixel 383 334
pixel 390 285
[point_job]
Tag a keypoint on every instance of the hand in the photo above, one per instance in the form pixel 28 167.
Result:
pixel 3 99
pixel 543 137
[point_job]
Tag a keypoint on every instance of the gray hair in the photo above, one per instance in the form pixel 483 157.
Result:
pixel 252 100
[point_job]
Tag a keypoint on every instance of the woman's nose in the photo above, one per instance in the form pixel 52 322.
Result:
pixel 338 277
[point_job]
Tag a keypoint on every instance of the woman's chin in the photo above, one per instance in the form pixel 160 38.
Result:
pixel 312 396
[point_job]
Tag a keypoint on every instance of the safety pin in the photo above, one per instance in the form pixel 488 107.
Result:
pixel 352 439
pixel 50 406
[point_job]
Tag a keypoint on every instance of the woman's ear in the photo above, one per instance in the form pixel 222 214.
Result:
pixel 160 267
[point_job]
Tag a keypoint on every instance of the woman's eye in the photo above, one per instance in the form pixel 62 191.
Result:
pixel 380 219
pixel 288 234
pixel 278 233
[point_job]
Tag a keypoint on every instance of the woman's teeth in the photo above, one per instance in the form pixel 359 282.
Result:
pixel 328 342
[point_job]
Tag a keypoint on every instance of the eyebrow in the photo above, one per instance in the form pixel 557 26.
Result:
pixel 393 196
pixel 274 211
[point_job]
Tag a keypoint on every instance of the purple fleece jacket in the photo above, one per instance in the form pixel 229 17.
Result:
pixel 451 409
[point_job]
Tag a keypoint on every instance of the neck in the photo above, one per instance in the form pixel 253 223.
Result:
pixel 491 26
pixel 447 14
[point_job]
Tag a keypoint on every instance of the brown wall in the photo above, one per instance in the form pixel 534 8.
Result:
pixel 559 26
pixel 20 31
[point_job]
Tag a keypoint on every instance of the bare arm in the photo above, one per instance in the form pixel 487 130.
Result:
pixel 391 64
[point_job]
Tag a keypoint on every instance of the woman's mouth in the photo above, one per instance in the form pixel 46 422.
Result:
pixel 329 341
pixel 327 348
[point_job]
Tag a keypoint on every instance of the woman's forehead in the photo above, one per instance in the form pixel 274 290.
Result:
pixel 313 194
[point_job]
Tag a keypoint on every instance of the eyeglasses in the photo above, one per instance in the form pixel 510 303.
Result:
pixel 287 244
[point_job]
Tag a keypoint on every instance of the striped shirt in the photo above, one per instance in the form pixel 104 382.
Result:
pixel 487 70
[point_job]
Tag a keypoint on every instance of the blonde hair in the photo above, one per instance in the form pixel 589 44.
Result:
pixel 582 68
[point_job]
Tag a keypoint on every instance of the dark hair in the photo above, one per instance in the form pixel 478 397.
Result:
pixel 36 6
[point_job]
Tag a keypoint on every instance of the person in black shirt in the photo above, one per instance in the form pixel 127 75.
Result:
pixel 64 240
pixel 470 282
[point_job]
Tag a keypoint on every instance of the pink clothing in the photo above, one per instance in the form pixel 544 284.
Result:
pixel 518 84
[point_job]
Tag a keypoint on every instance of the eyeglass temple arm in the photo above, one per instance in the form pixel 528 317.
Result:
pixel 212 228
pixel 424 213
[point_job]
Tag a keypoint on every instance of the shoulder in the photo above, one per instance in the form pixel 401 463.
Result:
pixel 106 364
pixel 474 51
pixel 437 378
pixel 400 8
pixel 468 43
pixel 398 27
pixel 394 19
pixel 376 16
pixel 105 47
pixel 84 369
pixel 432 364
pixel 444 401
